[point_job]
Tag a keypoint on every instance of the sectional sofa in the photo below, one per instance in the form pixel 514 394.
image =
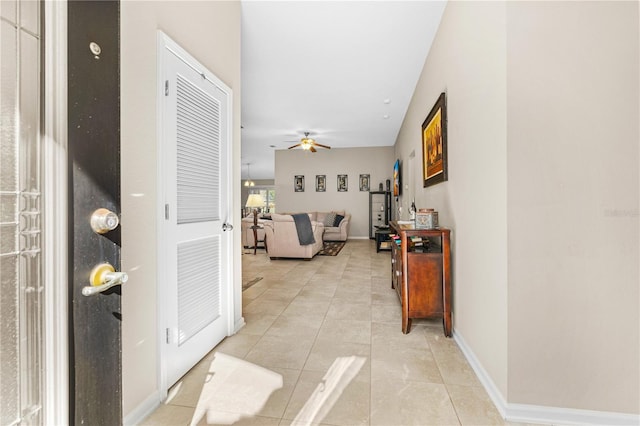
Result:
pixel 333 230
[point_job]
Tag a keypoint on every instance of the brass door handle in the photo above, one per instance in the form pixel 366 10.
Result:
pixel 102 278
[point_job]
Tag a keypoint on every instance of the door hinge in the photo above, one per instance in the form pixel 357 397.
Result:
pixel 172 335
pixel 166 87
pixel 166 211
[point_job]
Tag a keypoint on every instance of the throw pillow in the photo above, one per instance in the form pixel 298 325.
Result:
pixel 339 218
pixel 329 219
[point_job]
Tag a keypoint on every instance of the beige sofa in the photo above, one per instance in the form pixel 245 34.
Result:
pixel 282 238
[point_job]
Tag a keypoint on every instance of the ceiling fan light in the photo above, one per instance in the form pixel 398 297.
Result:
pixel 308 144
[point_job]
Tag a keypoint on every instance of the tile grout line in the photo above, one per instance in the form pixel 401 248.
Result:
pixel 308 355
pixel 371 347
pixel 281 417
pixel 435 359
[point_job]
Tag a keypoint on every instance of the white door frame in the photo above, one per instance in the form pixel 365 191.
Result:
pixel 165 43
pixel 54 209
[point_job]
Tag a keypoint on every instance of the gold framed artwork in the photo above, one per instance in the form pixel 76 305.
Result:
pixel 434 144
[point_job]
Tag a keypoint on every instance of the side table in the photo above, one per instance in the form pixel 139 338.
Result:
pixel 381 236
pixel 255 238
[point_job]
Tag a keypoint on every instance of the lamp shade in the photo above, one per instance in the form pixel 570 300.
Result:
pixel 255 200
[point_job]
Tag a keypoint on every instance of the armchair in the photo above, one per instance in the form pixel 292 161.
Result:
pixel 337 233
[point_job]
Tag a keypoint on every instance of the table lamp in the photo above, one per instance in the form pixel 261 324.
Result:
pixel 254 201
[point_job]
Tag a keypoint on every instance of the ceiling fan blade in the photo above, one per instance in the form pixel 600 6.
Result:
pixel 296 145
pixel 322 146
pixel 312 149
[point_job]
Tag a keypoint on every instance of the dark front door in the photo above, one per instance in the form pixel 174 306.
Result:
pixel 94 183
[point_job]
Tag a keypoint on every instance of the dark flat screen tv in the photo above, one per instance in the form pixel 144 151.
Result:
pixel 397 184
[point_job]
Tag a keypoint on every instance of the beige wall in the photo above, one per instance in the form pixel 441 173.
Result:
pixel 467 61
pixel 210 31
pixel 573 137
pixel 543 104
pixel 377 162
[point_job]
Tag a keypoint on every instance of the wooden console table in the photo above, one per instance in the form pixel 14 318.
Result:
pixel 421 275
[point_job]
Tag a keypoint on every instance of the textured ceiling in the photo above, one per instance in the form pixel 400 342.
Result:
pixel 333 68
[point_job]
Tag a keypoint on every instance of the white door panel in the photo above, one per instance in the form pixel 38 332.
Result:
pixel 195 277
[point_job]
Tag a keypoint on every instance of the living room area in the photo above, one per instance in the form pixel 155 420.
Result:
pixel 309 183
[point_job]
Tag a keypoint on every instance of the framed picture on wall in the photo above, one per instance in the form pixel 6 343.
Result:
pixel 343 183
pixel 321 183
pixel 434 144
pixel 298 183
pixel 364 183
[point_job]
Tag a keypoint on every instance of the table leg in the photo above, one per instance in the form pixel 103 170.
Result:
pixel 255 241
pixel 447 324
pixel 446 283
pixel 406 323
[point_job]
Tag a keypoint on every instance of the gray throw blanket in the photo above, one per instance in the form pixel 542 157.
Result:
pixel 303 226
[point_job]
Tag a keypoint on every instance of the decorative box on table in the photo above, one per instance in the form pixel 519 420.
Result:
pixel 426 219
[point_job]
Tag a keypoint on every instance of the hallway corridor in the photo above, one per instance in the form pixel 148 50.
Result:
pixel 321 325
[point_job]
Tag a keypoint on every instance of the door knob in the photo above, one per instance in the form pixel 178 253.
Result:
pixel 102 278
pixel 103 221
pixel 227 227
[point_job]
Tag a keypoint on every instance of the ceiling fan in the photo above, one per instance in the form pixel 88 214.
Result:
pixel 309 144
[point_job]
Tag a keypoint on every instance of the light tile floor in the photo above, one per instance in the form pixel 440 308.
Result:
pixel 301 319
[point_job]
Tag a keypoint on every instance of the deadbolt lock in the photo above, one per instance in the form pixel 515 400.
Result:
pixel 103 221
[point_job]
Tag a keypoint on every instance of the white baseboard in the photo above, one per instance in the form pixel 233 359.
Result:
pixel 238 325
pixel 357 238
pixel 493 391
pixel 525 413
pixel 143 410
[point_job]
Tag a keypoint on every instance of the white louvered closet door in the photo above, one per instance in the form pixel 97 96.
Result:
pixel 195 142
